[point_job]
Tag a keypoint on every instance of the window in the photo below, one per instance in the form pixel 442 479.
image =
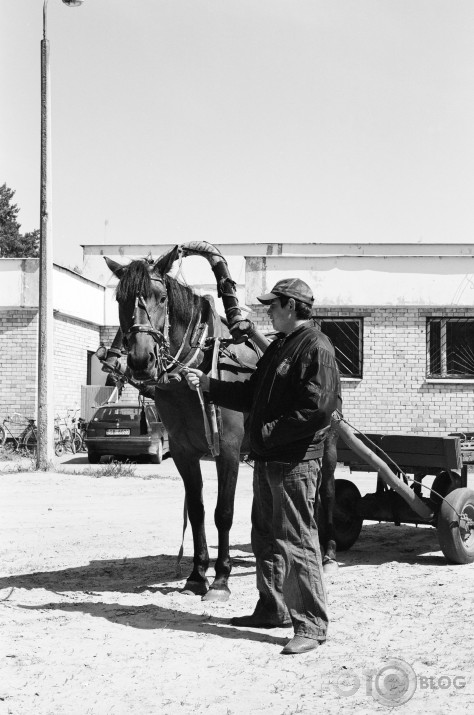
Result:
pixel 450 347
pixel 117 414
pixel 346 336
pixel 113 413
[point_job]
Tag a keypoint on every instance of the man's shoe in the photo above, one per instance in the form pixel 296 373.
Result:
pixel 254 621
pixel 300 644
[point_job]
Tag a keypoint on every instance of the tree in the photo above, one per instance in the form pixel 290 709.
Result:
pixel 14 244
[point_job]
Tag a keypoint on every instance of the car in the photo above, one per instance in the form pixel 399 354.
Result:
pixel 119 430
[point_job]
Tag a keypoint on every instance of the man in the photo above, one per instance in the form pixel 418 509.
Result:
pixel 290 399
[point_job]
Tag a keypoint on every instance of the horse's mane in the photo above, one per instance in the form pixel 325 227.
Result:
pixel 136 280
pixel 182 300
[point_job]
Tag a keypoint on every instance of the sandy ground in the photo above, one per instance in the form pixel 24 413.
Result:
pixel 92 621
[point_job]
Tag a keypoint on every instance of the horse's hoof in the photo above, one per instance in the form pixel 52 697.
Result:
pixel 217 594
pixel 330 566
pixel 195 588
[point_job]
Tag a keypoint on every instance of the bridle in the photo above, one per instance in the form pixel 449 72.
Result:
pixel 137 327
pixel 165 363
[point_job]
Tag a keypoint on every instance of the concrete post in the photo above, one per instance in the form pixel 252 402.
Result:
pixel 45 451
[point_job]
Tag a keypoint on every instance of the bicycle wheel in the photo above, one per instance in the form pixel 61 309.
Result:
pixel 11 445
pixel 31 440
pixel 3 436
pixel 76 443
pixel 67 440
pixel 58 445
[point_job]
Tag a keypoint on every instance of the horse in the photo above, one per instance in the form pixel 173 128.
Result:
pixel 163 323
pixel 160 320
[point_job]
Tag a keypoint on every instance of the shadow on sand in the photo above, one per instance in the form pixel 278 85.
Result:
pixel 129 575
pixel 155 617
pixel 381 543
pixel 377 544
pixel 124 575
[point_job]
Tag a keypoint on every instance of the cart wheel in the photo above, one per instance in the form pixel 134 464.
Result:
pixel 347 523
pixel 443 484
pixel 456 533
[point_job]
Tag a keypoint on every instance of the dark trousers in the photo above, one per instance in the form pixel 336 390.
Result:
pixel 286 546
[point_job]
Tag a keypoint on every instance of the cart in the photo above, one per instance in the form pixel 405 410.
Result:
pixel 400 496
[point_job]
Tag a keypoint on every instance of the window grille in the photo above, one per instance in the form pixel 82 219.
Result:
pixel 450 347
pixel 346 336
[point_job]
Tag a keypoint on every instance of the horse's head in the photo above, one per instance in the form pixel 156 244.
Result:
pixel 142 298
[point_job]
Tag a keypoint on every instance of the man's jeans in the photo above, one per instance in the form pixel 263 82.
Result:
pixel 286 546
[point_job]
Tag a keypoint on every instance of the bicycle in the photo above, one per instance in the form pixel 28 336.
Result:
pixel 27 439
pixel 62 436
pixel 78 430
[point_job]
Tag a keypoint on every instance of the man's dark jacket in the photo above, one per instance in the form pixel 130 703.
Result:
pixel 290 397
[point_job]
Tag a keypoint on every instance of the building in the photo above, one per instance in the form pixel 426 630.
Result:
pixel 79 319
pixel 400 315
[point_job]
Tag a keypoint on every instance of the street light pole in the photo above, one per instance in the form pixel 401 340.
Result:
pixel 45 305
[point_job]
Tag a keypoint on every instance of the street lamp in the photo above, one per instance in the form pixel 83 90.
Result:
pixel 45 305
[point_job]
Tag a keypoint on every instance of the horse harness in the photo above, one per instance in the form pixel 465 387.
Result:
pixel 169 366
pixel 199 341
pixel 163 357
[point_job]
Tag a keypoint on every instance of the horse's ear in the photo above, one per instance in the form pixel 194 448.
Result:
pixel 115 267
pixel 164 263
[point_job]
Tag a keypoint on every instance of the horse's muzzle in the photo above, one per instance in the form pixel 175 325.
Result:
pixel 152 370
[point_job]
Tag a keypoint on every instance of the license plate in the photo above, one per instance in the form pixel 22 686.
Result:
pixel 117 431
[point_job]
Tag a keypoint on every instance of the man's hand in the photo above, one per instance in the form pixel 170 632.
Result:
pixel 196 378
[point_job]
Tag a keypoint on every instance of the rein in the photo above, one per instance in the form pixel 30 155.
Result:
pixel 157 336
pixel 161 340
pixel 168 365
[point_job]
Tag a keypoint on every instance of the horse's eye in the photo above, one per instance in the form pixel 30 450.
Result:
pixel 162 299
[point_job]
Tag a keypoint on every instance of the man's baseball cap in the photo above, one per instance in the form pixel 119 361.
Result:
pixel 291 288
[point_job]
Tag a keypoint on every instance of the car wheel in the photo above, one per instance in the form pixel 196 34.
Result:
pixel 93 457
pixel 158 457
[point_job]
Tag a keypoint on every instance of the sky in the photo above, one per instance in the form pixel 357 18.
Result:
pixel 243 120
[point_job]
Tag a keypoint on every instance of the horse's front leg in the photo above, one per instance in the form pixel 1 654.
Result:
pixel 227 471
pixel 328 498
pixel 190 471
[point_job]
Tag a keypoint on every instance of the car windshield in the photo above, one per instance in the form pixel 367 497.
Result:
pixel 117 414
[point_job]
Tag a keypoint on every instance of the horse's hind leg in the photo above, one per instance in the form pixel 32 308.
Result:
pixel 328 497
pixel 190 471
pixel 227 472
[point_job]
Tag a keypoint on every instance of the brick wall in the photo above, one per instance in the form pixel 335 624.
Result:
pixel 107 334
pixel 72 339
pixel 394 395
pixel 18 362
